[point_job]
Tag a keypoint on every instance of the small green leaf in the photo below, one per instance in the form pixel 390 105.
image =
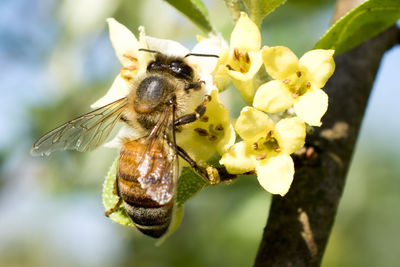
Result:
pixel 361 23
pixel 189 184
pixel 195 10
pixel 110 199
pixel 259 9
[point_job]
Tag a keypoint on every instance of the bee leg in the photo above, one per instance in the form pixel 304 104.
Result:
pixel 211 174
pixel 198 112
pixel 195 85
pixel 119 202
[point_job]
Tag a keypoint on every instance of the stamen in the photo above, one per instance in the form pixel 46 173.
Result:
pixel 269 134
pixel 262 156
pixel 247 58
pixel 236 54
pixel 229 67
pixel 131 58
pixel 204 118
pixel 286 81
pixel 254 146
pixel 308 84
pixel 201 132
pixel 298 73
pixel 219 127
pixel 212 138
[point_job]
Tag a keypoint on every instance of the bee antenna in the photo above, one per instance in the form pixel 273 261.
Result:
pixel 201 55
pixel 149 50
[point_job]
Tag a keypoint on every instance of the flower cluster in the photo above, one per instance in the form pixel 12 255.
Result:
pixel 275 125
pixel 281 103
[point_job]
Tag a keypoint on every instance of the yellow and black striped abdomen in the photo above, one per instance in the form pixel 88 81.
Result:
pixel 149 216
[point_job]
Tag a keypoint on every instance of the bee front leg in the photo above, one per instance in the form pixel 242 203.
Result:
pixel 211 174
pixel 198 112
pixel 119 202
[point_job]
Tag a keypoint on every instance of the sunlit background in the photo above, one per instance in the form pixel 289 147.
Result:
pixel 56 59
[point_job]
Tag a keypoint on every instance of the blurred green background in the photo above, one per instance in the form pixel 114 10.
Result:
pixel 56 59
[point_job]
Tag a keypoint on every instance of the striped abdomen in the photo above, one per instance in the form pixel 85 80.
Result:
pixel 149 216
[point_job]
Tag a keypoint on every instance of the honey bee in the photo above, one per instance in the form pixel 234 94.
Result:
pixel 148 170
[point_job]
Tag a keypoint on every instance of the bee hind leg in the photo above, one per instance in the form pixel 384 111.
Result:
pixel 118 203
pixel 211 174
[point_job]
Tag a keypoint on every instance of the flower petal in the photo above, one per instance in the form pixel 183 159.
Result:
pixel 239 158
pixel 273 96
pixel 123 41
pixel 119 89
pixel 253 124
pixel 279 61
pixel 209 46
pixel 320 65
pixel 275 174
pixel 246 35
pixel 290 134
pixel 168 47
pixel 311 106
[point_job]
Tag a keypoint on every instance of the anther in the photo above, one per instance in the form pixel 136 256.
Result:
pixel 247 58
pixel 308 84
pixel 286 81
pixel 262 156
pixel 254 146
pixel 131 58
pixel 298 73
pixel 229 67
pixel 204 118
pixel 201 132
pixel 212 138
pixel 219 127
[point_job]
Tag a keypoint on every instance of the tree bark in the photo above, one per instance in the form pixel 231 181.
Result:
pixel 300 223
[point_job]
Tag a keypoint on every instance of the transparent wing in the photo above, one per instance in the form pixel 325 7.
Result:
pixel 158 169
pixel 82 133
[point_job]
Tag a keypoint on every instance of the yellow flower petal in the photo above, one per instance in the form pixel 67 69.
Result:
pixel 275 174
pixel 245 36
pixel 227 141
pixel 239 158
pixel 119 89
pixel 124 42
pixel 245 82
pixel 209 134
pixel 279 61
pixel 273 96
pixel 220 74
pixel 320 65
pixel 253 124
pixel 290 134
pixel 311 106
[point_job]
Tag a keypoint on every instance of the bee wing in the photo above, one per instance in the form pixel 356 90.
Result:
pixel 83 133
pixel 158 169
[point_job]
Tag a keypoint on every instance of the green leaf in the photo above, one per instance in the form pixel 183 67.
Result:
pixel 195 10
pixel 189 184
pixel 361 23
pixel 110 199
pixel 259 9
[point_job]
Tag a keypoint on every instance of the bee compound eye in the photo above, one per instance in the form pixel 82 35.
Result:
pixel 181 70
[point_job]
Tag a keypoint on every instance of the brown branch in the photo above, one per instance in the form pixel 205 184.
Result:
pixel 300 223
